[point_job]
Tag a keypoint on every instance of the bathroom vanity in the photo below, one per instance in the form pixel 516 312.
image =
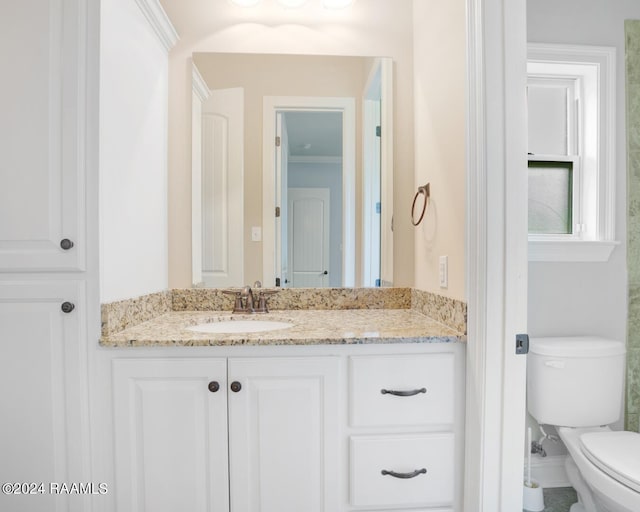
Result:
pixel 357 409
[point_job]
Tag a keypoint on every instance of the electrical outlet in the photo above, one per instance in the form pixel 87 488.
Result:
pixel 444 271
pixel 256 234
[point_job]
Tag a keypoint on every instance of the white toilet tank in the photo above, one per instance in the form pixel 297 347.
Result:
pixel 575 381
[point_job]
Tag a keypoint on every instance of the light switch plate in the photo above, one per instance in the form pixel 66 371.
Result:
pixel 444 271
pixel 256 234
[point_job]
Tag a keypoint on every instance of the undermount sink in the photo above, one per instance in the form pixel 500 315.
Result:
pixel 240 326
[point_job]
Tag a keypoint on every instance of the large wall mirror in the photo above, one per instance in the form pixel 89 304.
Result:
pixel 292 170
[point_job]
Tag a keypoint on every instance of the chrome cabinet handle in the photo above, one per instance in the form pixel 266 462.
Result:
pixel 403 393
pixel 413 474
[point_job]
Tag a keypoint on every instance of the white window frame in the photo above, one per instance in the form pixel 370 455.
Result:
pixel 594 218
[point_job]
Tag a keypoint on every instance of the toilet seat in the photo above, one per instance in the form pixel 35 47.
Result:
pixel 615 453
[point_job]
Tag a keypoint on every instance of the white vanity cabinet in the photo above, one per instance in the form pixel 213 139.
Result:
pixel 218 434
pixel 289 428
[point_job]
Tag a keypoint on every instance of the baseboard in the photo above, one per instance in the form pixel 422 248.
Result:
pixel 549 471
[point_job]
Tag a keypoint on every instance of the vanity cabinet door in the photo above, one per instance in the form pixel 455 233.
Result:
pixel 43 100
pixel 170 419
pixel 284 420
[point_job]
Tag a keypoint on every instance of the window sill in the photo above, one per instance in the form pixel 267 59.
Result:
pixel 571 250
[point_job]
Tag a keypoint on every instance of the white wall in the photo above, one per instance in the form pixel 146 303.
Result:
pixel 440 133
pixel 576 298
pixel 133 153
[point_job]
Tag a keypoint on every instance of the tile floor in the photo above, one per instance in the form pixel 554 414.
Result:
pixel 559 499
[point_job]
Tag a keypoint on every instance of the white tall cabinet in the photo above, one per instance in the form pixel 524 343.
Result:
pixel 48 102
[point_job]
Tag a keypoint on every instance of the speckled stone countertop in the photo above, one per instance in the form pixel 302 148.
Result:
pixel 310 327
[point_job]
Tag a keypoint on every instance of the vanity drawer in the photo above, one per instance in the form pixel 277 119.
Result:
pixel 430 457
pixel 424 383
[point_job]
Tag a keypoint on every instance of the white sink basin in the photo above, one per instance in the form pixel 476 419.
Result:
pixel 240 326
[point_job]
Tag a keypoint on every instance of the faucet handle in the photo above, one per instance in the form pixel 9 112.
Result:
pixel 238 305
pixel 262 300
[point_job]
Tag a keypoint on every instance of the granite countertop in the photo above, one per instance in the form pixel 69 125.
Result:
pixel 311 327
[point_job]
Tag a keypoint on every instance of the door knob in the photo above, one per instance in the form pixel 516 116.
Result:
pixel 236 386
pixel 67 307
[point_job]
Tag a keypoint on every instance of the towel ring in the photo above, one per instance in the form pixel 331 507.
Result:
pixel 424 190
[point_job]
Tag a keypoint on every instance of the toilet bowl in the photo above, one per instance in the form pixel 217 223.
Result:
pixel 608 464
pixel 576 384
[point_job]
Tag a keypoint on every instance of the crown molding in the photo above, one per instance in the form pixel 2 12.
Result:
pixel 159 21
pixel 198 84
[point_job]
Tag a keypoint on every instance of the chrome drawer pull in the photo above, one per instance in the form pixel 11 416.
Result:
pixel 403 393
pixel 404 475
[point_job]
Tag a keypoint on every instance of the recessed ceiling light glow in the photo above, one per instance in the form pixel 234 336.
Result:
pixel 292 3
pixel 246 3
pixel 337 4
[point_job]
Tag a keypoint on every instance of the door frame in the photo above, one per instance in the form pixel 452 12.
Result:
pixel 381 79
pixel 496 263
pixel 273 104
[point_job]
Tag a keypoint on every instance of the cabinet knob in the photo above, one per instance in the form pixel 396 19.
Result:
pixel 214 386
pixel 67 307
pixel 236 386
pixel 66 244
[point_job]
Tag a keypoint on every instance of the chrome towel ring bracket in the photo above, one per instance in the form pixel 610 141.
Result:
pixel 424 190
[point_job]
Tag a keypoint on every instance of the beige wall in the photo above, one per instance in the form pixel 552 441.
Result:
pixel 280 75
pixel 368 28
pixel 439 97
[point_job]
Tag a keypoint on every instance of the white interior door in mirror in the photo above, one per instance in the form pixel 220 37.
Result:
pixel 308 215
pixel 222 188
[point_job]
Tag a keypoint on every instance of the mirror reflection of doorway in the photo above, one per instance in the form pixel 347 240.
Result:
pixel 309 162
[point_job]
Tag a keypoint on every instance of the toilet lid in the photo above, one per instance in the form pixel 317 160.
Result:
pixel 615 453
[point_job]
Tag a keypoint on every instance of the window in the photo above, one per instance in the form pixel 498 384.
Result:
pixel 571 105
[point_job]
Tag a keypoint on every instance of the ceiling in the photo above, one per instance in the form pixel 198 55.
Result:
pixel 314 134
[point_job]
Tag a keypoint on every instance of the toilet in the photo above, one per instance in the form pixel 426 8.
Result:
pixel 576 384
